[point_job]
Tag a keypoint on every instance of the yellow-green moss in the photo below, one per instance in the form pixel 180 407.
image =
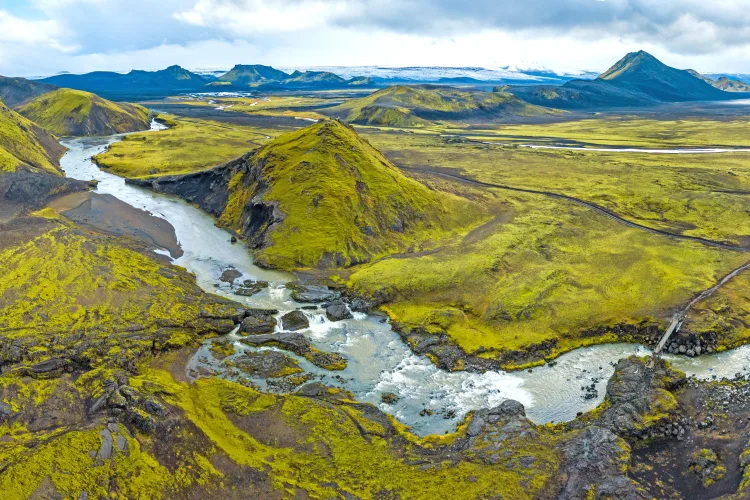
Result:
pixel 22 143
pixel 74 112
pixel 341 200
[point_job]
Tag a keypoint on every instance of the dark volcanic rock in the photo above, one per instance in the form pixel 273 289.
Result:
pixel 294 320
pixel 640 401
pixel 312 293
pixel 298 344
pixel 209 190
pixel 258 322
pixel 229 275
pixel 338 312
pixel 267 364
pixel 250 288
pixel 593 462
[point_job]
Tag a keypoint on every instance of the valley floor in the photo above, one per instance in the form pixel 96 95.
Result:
pixel 547 251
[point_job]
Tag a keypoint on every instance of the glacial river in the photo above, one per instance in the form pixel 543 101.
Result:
pixel 378 361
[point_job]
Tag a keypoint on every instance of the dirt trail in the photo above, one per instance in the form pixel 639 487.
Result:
pixel 587 204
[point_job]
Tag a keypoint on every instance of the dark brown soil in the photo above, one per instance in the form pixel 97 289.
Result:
pixel 109 215
pixel 662 467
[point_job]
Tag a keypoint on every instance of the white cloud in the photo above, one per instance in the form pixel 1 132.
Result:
pixel 14 30
pixel 83 35
pixel 247 18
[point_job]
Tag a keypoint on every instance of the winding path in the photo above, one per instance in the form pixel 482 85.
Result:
pixel 587 204
pixel 678 318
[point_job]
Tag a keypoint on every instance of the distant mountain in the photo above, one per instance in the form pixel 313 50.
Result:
pixel 385 76
pixel 251 75
pixel 14 91
pixel 729 85
pixel 109 84
pixel 638 79
pixel 723 83
pixel 313 78
pixel 642 71
pixel 420 105
pixel 266 77
pixel 68 112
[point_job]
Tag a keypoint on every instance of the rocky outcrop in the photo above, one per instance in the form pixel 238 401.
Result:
pixel 639 403
pixel 298 344
pixel 208 189
pixel 593 464
pixel 312 294
pixel 121 400
pixel 267 364
pixel 294 320
pixel 338 312
pixel 23 190
pixel 212 189
pixel 258 321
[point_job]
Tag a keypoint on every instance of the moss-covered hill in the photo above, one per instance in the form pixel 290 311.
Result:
pixel 415 106
pixel 24 144
pixel 323 197
pixel 67 112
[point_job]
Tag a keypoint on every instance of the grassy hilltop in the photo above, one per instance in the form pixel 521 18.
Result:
pixel 67 112
pixel 323 197
pixel 342 201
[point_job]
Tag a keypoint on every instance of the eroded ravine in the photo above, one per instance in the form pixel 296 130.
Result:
pixel 378 360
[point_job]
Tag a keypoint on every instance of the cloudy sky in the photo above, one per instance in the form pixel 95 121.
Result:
pixel 42 37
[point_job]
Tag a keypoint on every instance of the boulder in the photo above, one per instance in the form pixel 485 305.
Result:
pixel 389 398
pixel 338 312
pixel 250 288
pixel 312 293
pixel 258 324
pixel 229 275
pixel 294 320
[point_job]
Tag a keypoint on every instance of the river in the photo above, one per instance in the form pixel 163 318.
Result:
pixel 378 361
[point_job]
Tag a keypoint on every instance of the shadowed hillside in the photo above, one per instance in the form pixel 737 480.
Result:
pixel 638 79
pixel 15 91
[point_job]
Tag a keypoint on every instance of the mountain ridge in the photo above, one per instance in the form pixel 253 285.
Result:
pixel 637 79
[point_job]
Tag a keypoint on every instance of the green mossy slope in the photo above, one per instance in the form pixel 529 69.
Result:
pixel 24 144
pixel 67 112
pixel 338 201
pixel 85 298
pixel 223 438
pixel 549 274
pixel 416 106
